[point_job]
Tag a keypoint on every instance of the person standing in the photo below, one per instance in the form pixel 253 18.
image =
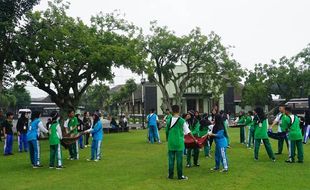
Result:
pixel 220 144
pixel 260 123
pixel 54 140
pixel 307 126
pixel 176 128
pixel 35 128
pixel 71 128
pixel 282 122
pixel 22 128
pixel 194 127
pixel 80 130
pixel 97 134
pixel 1 121
pixel 87 125
pixel 241 121
pixel 7 127
pixel 152 120
pixel 249 124
pixel 294 137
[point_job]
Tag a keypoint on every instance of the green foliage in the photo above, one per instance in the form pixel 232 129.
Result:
pixel 255 91
pixel 15 97
pixel 11 11
pixel 95 97
pixel 22 96
pixel 62 56
pixel 288 77
pixel 205 63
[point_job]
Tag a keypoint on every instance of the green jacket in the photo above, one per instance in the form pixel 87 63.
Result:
pixel 249 122
pixel 242 119
pixel 175 135
pixel 195 129
pixel 260 130
pixel 53 138
pixel 285 122
pixel 294 131
pixel 73 122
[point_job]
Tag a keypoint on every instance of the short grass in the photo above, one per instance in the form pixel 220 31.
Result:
pixel 131 163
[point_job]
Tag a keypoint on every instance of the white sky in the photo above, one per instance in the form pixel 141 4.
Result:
pixel 260 30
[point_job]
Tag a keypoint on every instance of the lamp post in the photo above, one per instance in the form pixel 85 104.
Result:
pixel 142 100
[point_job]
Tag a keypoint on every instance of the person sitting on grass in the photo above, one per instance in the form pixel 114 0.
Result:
pixel 97 134
pixel 7 126
pixel 294 137
pixel 176 128
pixel 54 140
pixel 220 144
pixel 260 123
pixel 35 128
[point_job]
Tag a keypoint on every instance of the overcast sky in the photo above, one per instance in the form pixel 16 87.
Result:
pixel 260 30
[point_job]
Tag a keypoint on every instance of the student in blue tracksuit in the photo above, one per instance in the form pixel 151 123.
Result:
pixel 221 144
pixel 35 128
pixel 97 134
pixel 152 119
pixel 7 126
pixel 22 128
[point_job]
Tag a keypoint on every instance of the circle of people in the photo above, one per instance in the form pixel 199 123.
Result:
pixel 28 132
pixel 188 133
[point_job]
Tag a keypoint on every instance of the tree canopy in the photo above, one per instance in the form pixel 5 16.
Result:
pixel 63 56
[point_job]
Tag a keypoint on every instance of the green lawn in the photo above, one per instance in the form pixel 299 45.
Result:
pixel 131 163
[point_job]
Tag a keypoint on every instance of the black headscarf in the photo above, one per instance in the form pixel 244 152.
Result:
pixel 219 125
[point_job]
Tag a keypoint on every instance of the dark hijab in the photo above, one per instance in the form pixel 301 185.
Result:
pixel 219 125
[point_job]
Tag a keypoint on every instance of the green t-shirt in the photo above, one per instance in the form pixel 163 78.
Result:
pixel 260 130
pixel 53 138
pixel 73 122
pixel 175 135
pixel 293 128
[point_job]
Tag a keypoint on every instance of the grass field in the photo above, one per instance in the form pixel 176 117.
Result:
pixel 131 163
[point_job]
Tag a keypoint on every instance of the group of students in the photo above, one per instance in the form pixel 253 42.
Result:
pixel 215 127
pixel 190 124
pixel 29 130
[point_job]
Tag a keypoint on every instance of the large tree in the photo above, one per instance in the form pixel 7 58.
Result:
pixel 63 56
pixel 287 77
pixel 256 91
pixel 205 63
pixel 11 11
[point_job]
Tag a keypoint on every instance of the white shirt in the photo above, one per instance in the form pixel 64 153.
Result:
pixel 278 121
pixel 185 125
pixel 59 133
pixel 41 128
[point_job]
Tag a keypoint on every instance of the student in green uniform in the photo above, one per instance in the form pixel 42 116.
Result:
pixel 204 130
pixel 260 123
pixel 1 121
pixel 240 121
pixel 71 128
pixel 175 130
pixel 282 121
pixel 294 137
pixel 194 126
pixel 54 140
pixel 250 126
